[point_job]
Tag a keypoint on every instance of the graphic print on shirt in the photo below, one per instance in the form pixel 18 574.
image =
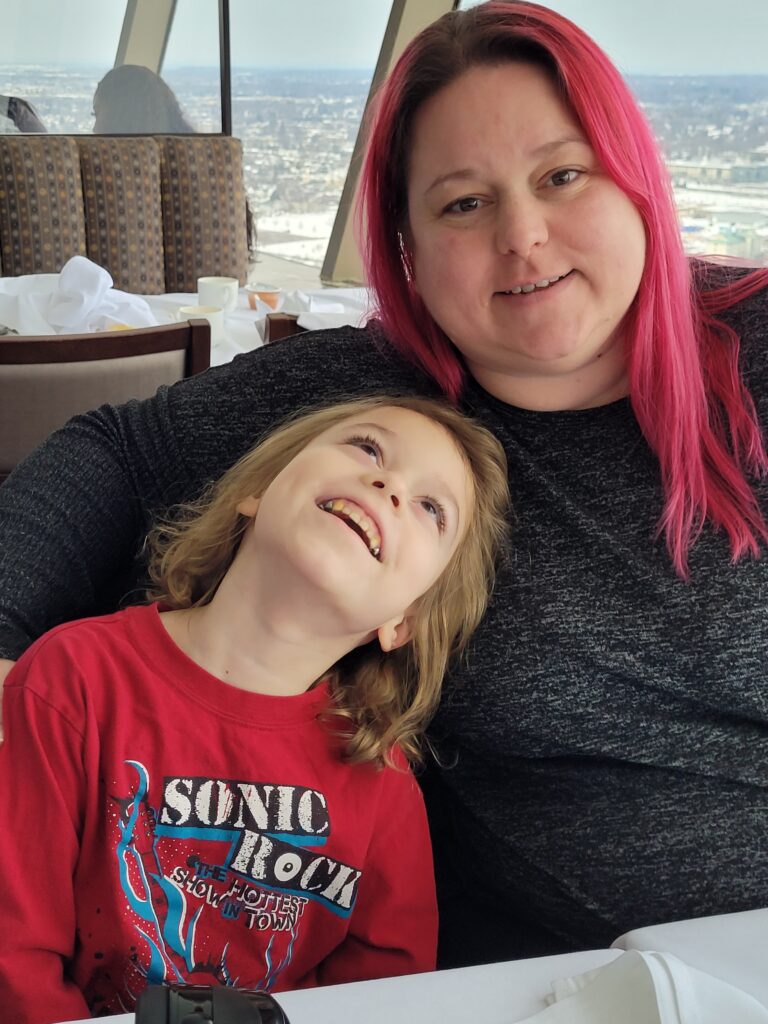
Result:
pixel 245 852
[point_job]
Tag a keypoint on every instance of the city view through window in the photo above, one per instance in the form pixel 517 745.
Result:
pixel 298 127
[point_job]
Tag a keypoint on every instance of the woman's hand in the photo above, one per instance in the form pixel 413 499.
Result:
pixel 5 668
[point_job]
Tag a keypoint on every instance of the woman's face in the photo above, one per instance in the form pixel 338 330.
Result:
pixel 505 194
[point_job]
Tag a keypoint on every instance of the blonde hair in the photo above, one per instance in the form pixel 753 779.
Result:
pixel 387 698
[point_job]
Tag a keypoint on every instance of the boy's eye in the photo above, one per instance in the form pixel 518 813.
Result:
pixel 369 445
pixel 434 509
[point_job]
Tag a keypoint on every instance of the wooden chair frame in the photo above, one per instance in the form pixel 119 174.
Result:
pixel 194 336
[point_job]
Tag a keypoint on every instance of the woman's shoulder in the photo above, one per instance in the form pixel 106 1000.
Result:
pixel 227 408
pixel 326 361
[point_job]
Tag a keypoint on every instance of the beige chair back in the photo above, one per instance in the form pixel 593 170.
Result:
pixel 46 381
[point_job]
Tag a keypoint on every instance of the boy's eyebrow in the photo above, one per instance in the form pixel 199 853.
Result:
pixel 373 426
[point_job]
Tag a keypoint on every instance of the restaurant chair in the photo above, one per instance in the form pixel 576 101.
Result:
pixel 281 325
pixel 46 380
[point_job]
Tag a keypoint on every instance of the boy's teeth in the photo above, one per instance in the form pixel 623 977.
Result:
pixel 353 513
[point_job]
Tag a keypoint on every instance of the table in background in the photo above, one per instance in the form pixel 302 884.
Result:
pixel 244 328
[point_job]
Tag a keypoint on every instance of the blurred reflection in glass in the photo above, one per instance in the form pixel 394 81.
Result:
pixel 131 99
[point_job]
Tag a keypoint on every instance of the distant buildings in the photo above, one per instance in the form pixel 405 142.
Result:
pixel 298 129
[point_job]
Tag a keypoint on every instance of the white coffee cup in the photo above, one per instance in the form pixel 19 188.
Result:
pixel 213 314
pixel 218 291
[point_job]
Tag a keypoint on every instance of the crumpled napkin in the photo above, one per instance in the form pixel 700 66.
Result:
pixel 333 308
pixel 78 300
pixel 649 988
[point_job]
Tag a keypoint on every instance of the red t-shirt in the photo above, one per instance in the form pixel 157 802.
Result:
pixel 157 823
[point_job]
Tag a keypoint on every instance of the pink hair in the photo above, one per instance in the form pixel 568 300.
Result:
pixel 685 385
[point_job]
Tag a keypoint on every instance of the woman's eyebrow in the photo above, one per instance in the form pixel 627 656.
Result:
pixel 469 173
pixel 555 144
pixel 457 175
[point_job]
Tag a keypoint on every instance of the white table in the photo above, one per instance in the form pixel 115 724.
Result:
pixel 244 327
pixel 733 947
pixel 492 994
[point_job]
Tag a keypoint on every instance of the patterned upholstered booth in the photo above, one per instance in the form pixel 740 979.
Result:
pixel 156 211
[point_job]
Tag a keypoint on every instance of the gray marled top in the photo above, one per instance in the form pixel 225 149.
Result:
pixel 609 726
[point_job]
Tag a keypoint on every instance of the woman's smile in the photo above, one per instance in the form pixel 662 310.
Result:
pixel 535 292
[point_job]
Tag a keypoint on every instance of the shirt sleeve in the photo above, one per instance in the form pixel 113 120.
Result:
pixel 41 798
pixel 393 930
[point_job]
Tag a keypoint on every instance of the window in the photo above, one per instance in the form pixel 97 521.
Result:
pixel 120 67
pixel 52 60
pixel 300 78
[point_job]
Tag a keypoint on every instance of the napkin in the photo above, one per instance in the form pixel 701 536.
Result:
pixel 78 300
pixel 332 308
pixel 648 988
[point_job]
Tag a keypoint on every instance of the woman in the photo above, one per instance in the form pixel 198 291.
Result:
pixel 603 749
pixel 133 100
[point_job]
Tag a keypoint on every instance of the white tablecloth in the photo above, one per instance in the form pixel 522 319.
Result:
pixel 244 327
pixel 732 947
pixel 491 994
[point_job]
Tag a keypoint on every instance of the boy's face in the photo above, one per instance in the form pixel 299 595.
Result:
pixel 369 514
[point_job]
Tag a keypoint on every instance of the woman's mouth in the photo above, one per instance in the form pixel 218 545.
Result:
pixel 535 286
pixel 357 520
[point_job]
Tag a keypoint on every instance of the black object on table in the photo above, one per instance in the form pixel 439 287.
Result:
pixel 206 1004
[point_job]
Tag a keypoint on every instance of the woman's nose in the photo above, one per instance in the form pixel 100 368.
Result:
pixel 521 226
pixel 393 497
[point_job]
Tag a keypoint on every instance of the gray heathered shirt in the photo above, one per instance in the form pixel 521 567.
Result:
pixel 610 724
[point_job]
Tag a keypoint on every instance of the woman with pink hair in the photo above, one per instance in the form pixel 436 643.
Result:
pixel 602 752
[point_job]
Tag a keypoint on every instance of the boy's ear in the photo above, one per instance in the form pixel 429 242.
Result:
pixel 248 506
pixel 395 633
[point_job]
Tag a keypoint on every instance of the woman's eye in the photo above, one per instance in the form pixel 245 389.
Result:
pixel 467 204
pixel 435 510
pixel 564 177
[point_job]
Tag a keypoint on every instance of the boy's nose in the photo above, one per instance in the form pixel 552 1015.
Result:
pixel 393 497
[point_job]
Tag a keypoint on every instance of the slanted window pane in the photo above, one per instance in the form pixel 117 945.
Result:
pixel 300 78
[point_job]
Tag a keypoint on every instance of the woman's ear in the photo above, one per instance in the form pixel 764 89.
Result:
pixel 248 506
pixel 395 633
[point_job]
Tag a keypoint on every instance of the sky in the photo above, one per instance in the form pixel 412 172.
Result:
pixel 642 37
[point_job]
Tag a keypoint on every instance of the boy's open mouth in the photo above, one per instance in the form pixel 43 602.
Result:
pixel 357 520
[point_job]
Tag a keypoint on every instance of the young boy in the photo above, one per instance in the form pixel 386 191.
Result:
pixel 214 788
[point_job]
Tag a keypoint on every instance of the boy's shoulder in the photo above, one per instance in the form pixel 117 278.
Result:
pixel 69 635
pixel 74 649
